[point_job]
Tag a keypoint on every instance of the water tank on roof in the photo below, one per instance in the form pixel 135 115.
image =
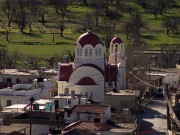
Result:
pixel 66 58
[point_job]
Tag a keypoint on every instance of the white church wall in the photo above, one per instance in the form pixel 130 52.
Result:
pixel 86 71
pixel 97 90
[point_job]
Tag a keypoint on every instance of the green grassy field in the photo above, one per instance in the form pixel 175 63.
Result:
pixel 41 43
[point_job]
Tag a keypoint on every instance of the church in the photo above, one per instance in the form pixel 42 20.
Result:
pixel 90 74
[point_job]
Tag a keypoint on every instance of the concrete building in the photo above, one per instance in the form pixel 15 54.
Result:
pixel 88 113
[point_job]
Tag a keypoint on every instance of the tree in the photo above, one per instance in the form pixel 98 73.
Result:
pixel 33 61
pixel 109 29
pixel 3 58
pixel 137 62
pixel 9 7
pixel 16 56
pixel 169 56
pixel 88 22
pixel 171 25
pixel 134 26
pixel 61 27
pixel 60 6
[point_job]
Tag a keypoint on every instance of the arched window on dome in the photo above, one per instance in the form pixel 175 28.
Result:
pixel 80 52
pixel 116 48
pixel 96 51
pixel 86 52
pixel 90 52
pixel 100 52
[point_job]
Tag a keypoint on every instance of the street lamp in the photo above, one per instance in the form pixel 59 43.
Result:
pixel 31 100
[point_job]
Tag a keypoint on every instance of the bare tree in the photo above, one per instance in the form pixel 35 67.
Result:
pixel 109 29
pixel 9 7
pixel 88 22
pixel 171 25
pixel 60 6
pixel 34 61
pixel 3 58
pixel 134 26
pixel 61 28
pixel 137 61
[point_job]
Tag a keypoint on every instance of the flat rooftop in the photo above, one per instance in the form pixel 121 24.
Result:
pixel 9 129
pixel 18 72
pixel 124 92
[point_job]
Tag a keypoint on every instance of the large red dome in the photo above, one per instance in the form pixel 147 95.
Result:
pixel 89 38
pixel 116 40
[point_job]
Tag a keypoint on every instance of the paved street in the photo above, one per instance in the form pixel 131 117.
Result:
pixel 153 120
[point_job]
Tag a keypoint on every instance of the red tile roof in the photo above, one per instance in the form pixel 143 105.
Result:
pixel 89 38
pixel 89 109
pixel 78 132
pixel 65 72
pixel 86 81
pixel 88 126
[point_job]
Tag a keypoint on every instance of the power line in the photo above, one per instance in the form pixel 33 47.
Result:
pixel 142 80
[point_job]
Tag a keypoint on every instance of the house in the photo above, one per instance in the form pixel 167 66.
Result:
pixel 20 93
pixel 88 113
pixel 122 99
pixel 41 121
pixel 87 126
pixel 94 128
pixel 15 76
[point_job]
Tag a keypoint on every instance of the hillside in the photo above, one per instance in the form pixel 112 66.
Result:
pixel 45 19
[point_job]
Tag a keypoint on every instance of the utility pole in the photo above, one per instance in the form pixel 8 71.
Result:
pixel 31 99
pixel 149 77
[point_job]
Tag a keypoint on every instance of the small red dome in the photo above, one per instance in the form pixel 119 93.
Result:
pixel 116 40
pixel 89 38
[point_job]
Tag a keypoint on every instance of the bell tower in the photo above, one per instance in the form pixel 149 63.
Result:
pixel 117 57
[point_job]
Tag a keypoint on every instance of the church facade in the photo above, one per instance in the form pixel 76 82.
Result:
pixel 90 73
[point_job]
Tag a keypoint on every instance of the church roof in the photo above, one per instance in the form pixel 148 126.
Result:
pixel 116 40
pixel 110 72
pixel 86 81
pixel 89 38
pixel 88 126
pixel 92 65
pixel 65 72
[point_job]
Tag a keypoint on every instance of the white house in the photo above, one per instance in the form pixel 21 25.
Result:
pixel 88 113
pixel 20 93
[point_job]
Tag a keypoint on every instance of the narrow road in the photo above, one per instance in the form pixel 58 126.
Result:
pixel 153 121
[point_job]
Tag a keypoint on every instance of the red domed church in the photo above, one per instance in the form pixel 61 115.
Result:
pixel 90 74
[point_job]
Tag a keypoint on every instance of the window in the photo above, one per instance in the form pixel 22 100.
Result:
pixel 90 52
pixel 8 102
pixel 116 48
pixel 78 52
pixel 100 53
pixel 86 52
pixel 96 51
pixel 66 91
pixel 9 79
